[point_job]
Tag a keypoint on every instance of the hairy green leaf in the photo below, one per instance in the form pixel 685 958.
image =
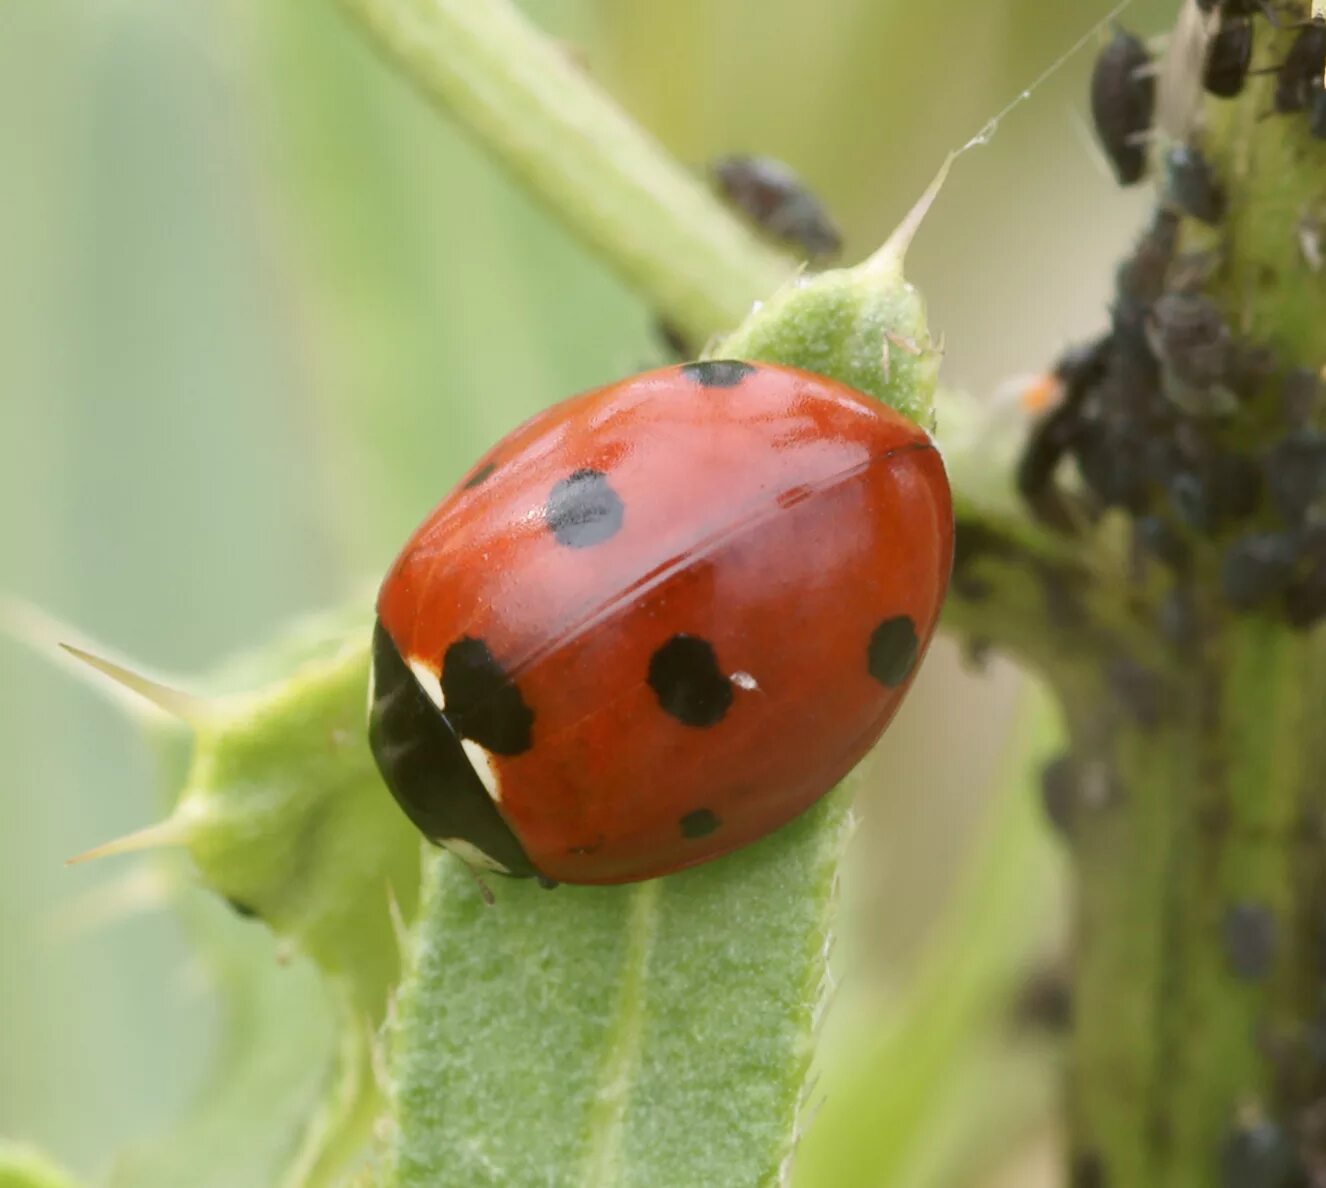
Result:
pixel 654 1034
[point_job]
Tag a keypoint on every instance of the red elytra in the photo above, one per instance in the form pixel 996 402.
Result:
pixel 658 621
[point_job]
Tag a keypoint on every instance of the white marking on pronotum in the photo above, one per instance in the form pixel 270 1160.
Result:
pixel 471 855
pixel 482 762
pixel 429 682
pixel 744 680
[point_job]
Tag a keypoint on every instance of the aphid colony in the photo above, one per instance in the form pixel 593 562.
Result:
pixel 1165 414
pixel 1124 95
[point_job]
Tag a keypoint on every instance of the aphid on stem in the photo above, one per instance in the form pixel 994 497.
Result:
pixel 1123 100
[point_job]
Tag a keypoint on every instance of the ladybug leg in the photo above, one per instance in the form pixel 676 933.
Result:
pixel 485 891
pixel 545 882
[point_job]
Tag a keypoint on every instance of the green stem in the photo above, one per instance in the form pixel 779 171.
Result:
pixel 1214 818
pixel 993 930
pixel 541 115
pixel 1208 844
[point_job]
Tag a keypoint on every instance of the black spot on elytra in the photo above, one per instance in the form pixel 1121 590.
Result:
pixel 891 655
pixel 583 510
pixel 422 761
pixel 685 677
pixel 700 823
pixel 717 373
pixel 479 475
pixel 482 702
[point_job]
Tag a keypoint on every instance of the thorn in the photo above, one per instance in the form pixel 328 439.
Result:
pixel 140 889
pixel 175 702
pixel 43 633
pixel 173 831
pixel 889 258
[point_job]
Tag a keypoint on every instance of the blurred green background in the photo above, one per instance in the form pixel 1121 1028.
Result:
pixel 258 309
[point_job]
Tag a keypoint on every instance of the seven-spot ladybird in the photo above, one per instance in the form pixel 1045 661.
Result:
pixel 658 621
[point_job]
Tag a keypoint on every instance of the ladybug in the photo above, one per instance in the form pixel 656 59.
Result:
pixel 658 621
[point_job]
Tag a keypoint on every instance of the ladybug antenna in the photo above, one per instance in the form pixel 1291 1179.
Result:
pixel 485 891
pixel 175 702
pixel 173 831
pixel 888 259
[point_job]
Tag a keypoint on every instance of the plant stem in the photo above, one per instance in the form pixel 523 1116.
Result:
pixel 900 1077
pixel 541 115
pixel 1200 873
pixel 1217 818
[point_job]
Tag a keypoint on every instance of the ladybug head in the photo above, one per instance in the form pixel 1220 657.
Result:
pixel 423 762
